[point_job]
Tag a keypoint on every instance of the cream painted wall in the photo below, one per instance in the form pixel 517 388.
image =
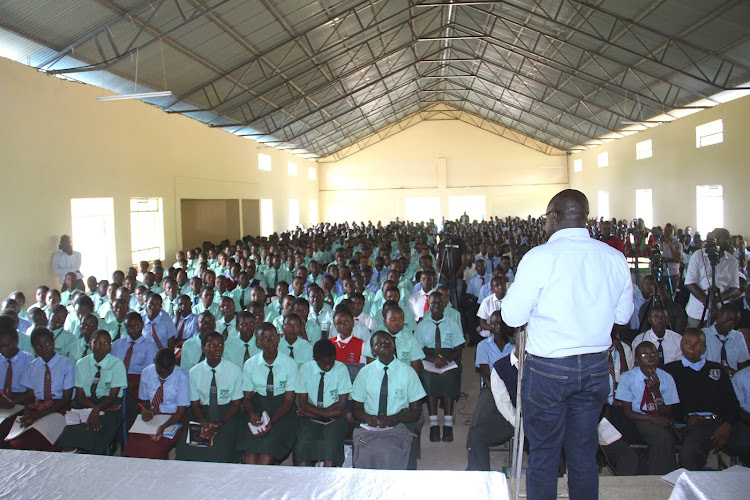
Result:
pixel 440 159
pixel 57 142
pixel 675 169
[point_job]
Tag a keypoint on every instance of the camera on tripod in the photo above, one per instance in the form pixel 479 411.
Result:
pixel 713 251
pixel 657 262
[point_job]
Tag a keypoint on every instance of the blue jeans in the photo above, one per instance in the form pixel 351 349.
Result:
pixel 562 399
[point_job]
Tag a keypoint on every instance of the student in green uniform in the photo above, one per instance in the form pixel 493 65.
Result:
pixel 407 348
pixel 441 339
pixel 117 328
pixel 269 381
pixel 403 395
pixel 291 344
pixel 311 330
pixel 64 340
pixel 207 303
pixel 82 347
pixel 99 382
pixel 192 350
pixel 215 397
pixel 241 347
pixel 226 325
pixel 323 393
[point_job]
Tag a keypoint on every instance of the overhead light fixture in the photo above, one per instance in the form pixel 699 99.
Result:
pixel 644 123
pixel 141 95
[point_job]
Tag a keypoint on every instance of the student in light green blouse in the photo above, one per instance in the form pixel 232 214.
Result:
pixel 269 384
pixel 99 382
pixel 192 349
pixel 323 393
pixel 116 328
pixel 82 347
pixel 407 349
pixel 404 391
pixel 207 303
pixel 310 329
pixel 225 323
pixel 64 340
pixel 215 396
pixel 241 347
pixel 291 344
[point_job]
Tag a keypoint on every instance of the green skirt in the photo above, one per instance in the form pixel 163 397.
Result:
pixel 317 442
pixel 277 443
pixel 94 442
pixel 222 450
pixel 446 384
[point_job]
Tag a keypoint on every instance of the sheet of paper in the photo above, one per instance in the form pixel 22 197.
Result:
pixel 75 417
pixel 264 419
pixel 673 476
pixel 193 437
pixel 371 428
pixel 430 367
pixel 50 426
pixel 149 428
pixel 9 412
pixel 608 434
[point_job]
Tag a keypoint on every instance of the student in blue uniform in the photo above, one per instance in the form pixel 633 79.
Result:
pixel 13 364
pixel 269 384
pixel 100 381
pixel 323 393
pixel 157 324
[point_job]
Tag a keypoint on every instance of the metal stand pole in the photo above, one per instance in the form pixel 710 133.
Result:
pixel 518 436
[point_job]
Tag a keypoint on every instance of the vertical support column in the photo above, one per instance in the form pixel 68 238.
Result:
pixel 442 174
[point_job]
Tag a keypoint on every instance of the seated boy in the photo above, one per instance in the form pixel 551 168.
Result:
pixel 418 303
pixel 64 340
pixel 207 303
pixel 134 350
pixel 99 381
pixel 117 328
pixel 647 394
pixel 490 304
pixel 13 364
pixel 158 325
pixel 226 324
pixel 724 344
pixel 323 392
pixel 387 393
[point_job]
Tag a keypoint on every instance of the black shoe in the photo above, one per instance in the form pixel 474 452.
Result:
pixel 434 433
pixel 447 434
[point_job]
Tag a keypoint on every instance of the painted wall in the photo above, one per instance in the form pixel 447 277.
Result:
pixel 57 142
pixel 440 159
pixel 209 220
pixel 675 169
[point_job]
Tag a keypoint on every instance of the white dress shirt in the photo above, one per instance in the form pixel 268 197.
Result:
pixel 670 344
pixel 699 273
pixel 501 396
pixel 416 303
pixel 62 264
pixel 570 291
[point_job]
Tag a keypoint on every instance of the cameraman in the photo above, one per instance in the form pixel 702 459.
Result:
pixel 451 262
pixel 698 276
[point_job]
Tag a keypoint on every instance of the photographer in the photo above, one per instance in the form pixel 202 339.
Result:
pixel 451 261
pixel 698 277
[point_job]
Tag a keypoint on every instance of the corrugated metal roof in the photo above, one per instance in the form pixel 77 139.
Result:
pixel 327 76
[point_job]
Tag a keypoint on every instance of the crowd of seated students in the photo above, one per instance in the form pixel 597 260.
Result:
pixel 266 326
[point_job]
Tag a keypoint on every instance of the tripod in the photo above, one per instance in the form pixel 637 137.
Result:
pixel 710 305
pixel 446 267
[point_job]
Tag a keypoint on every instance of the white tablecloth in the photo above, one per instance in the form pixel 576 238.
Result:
pixel 730 484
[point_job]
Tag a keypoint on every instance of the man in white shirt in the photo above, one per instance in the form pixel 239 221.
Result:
pixel 570 291
pixel 67 261
pixel 418 303
pixel 666 341
pixel 698 276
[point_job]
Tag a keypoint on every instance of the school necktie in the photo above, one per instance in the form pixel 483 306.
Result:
pixel 482 280
pixel 158 397
pixel 321 385
pixel 95 382
pixel 247 354
pixel 275 278
pixel 85 351
pixel 117 336
pixel 723 341
pixel 291 352
pixel 225 332
pixel 660 351
pixel 128 355
pixel 156 337
pixel 242 299
pixel 383 402
pixel 181 330
pixel 611 359
pixel 648 405
pixel 213 399
pixel 195 300
pixel 47 383
pixel 438 340
pixel 8 385
pixel 426 302
pixel 269 381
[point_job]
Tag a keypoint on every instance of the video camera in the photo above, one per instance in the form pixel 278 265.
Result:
pixel 657 262
pixel 713 251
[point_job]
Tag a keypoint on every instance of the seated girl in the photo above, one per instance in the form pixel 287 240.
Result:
pixel 323 392
pixel 164 390
pixel 100 382
pixel 269 381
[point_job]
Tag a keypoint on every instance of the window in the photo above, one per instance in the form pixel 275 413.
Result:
pixel 709 208
pixel 422 209
pixel 93 232
pixel 709 133
pixel 311 173
pixel 293 214
pixel 603 198
pixel 266 217
pixel 643 150
pixel 644 208
pixel 602 160
pixel 146 229
pixel 578 165
pixel 313 213
pixel 292 169
pixel 264 162
pixel 473 206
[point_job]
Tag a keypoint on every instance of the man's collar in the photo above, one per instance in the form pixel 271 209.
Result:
pixel 697 366
pixel 570 232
